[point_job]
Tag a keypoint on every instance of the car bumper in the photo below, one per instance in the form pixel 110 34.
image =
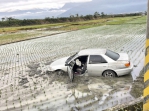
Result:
pixel 125 71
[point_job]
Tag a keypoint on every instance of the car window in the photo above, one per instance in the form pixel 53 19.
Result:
pixel 96 59
pixel 112 55
pixel 70 58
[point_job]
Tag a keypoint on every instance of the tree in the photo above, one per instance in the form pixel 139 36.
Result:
pixel 3 18
pixel 81 16
pixel 71 16
pixel 102 14
pixel 88 17
pixel 96 15
pixel 47 19
pixel 77 15
pixel 145 12
pixel 9 18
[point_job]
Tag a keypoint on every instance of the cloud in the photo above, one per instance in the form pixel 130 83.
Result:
pixel 33 8
pixel 107 6
pixel 47 8
pixel 32 14
pixel 8 1
pixel 9 5
pixel 39 15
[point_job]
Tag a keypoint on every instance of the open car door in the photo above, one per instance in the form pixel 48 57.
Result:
pixel 70 70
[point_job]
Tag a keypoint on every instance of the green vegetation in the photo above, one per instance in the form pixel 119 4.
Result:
pixel 30 27
pixel 18 33
pixel 122 20
pixel 10 21
pixel 8 38
pixel 79 24
pixel 135 107
pixel 65 26
pixel 139 20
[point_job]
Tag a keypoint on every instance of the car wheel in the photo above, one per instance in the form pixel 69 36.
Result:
pixel 109 73
pixel 60 72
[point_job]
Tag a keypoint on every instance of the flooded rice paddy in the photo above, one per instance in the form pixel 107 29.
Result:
pixel 25 86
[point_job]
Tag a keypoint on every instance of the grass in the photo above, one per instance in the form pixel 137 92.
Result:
pixel 10 34
pixel 88 23
pixel 15 29
pixel 50 26
pixel 139 20
pixel 103 21
pixel 8 38
pixel 122 20
pixel 135 107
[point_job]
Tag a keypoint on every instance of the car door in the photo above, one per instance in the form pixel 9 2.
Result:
pixel 96 65
pixel 70 70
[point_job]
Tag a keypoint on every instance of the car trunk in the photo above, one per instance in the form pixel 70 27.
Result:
pixel 123 61
pixel 123 57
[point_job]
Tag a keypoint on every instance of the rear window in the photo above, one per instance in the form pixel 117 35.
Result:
pixel 112 55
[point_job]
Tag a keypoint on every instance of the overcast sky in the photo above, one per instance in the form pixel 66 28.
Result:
pixel 24 9
pixel 12 5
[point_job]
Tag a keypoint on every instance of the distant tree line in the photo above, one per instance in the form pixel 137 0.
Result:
pixel 10 21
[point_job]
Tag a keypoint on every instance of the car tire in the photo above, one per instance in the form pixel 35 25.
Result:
pixel 60 72
pixel 109 73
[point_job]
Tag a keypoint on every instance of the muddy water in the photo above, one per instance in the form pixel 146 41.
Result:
pixel 108 92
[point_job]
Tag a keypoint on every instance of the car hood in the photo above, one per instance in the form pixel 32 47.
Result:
pixel 59 61
pixel 123 57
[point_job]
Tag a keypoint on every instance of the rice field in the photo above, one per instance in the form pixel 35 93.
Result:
pixel 24 85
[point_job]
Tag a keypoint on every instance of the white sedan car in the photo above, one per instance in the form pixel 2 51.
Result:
pixel 94 62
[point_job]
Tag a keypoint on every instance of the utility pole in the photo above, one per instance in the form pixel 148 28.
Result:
pixel 146 68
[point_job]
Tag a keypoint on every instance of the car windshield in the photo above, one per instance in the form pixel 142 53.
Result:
pixel 112 55
pixel 70 58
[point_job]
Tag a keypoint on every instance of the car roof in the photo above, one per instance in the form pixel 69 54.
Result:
pixel 92 51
